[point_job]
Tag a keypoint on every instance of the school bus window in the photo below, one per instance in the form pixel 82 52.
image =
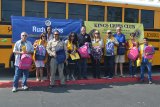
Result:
pixel 96 13
pixel 56 10
pixel 131 15
pixel 11 7
pixel 77 11
pixel 147 18
pixel 34 8
pixel 114 14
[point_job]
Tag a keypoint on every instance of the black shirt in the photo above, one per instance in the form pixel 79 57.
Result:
pixel 83 38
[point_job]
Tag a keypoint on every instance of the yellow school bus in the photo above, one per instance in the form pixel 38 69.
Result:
pixel 87 10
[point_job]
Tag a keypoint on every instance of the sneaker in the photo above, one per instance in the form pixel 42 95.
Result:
pixel 110 78
pixel 150 82
pixel 37 79
pixel 25 88
pixel 51 86
pixel 142 80
pixel 73 78
pixel 85 78
pixel 14 89
pixel 122 76
pixel 135 75
pixel 63 85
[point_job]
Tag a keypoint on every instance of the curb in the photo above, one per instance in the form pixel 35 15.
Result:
pixel 33 83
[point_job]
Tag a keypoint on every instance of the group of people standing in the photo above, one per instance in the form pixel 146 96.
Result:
pixel 66 56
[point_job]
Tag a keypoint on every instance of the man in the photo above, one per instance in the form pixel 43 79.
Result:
pixel 21 47
pixel 83 37
pixel 144 61
pixel 120 57
pixel 53 46
pixel 109 56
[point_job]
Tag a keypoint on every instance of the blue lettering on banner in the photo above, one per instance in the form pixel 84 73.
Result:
pixel 35 26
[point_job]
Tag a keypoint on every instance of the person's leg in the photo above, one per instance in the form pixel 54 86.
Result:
pixel 111 65
pixel 61 75
pixel 79 65
pixel 25 77
pixel 149 67
pixel 16 77
pixel 94 66
pixel 116 63
pixel 84 68
pixel 48 68
pixel 121 68
pixel 142 71
pixel 76 70
pixel 73 70
pixel 108 66
pixel 105 66
pixel 37 73
pixel 41 74
pixel 98 71
pixel 135 68
pixel 121 61
pixel 53 68
pixel 130 67
pixel 41 70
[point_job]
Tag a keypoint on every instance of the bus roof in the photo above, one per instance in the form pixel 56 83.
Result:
pixel 151 3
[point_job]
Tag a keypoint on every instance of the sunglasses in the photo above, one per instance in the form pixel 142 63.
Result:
pixel 109 33
pixel 96 33
pixel 43 36
pixel 56 34
pixel 24 35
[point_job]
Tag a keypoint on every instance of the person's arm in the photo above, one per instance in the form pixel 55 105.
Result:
pixel 102 43
pixel 49 51
pixel 89 39
pixel 151 53
pixel 116 42
pixel 31 49
pixel 35 44
pixel 124 41
pixel 16 50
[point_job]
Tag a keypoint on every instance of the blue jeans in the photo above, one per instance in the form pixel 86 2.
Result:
pixel 17 75
pixel 82 65
pixel 132 67
pixel 147 64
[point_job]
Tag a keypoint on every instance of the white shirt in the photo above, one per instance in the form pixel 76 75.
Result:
pixel 100 43
pixel 17 47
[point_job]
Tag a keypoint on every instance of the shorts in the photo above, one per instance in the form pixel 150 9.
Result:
pixel 119 58
pixel 39 63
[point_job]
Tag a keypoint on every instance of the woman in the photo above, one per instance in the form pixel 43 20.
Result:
pixel 97 45
pixel 49 36
pixel 49 33
pixel 39 56
pixel 71 45
pixel 132 42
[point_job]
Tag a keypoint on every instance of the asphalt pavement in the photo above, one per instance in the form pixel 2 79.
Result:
pixel 102 95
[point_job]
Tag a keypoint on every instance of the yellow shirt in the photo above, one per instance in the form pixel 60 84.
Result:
pixel 39 42
pixel 71 46
pixel 130 43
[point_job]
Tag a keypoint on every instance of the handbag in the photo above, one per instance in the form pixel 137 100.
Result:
pixel 133 53
pixel 83 51
pixel 61 56
pixel 121 50
pixel 75 56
